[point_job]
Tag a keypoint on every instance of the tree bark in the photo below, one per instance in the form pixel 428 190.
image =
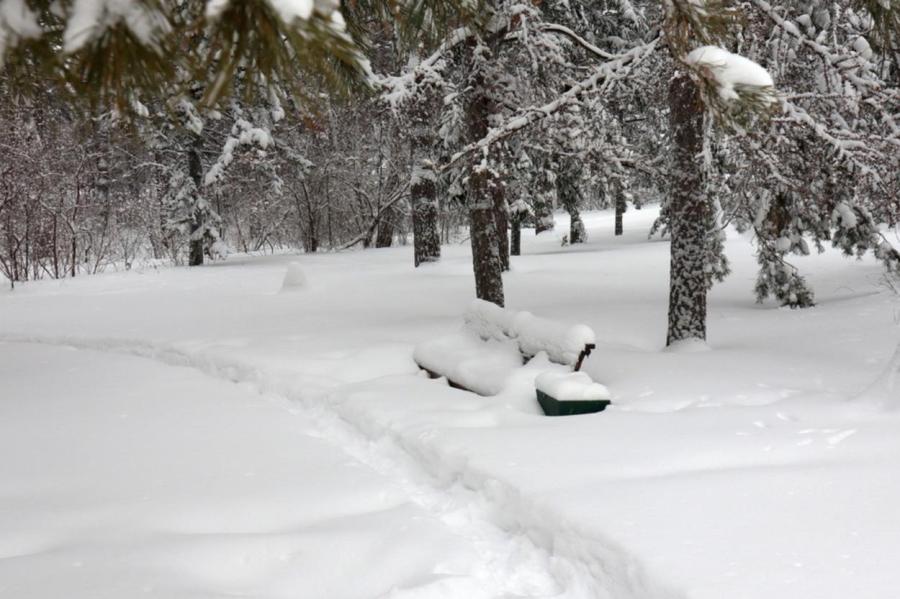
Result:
pixel 423 197
pixel 689 213
pixel 485 247
pixel 384 237
pixel 501 222
pixel 543 216
pixel 569 193
pixel 482 193
pixel 423 182
pixel 515 246
pixel 195 170
pixel 621 206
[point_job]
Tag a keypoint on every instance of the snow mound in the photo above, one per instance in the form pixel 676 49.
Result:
pixel 294 278
pixel 490 321
pixel 731 71
pixel 570 386
pixel 480 365
pixel 563 343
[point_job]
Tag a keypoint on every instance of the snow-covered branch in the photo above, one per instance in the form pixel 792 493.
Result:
pixel 606 72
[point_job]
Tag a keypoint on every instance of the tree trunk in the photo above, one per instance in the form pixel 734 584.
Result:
pixel 423 196
pixel 312 235
pixel 621 206
pixel 689 213
pixel 543 216
pixel 55 234
pixel 483 181
pixel 568 191
pixel 577 234
pixel 384 238
pixel 501 222
pixel 485 246
pixel 195 170
pixel 515 236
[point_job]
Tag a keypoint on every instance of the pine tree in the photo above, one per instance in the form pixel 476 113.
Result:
pixel 484 182
pixel 690 214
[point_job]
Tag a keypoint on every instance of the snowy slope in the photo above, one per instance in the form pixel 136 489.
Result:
pixel 742 471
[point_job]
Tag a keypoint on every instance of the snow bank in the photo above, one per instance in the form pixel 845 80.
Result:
pixel 570 386
pixel 731 71
pixel 294 278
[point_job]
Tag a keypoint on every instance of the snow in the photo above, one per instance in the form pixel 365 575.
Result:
pixel 562 343
pixel 17 20
pixel 215 8
pixel 289 10
pixel 148 479
pixel 487 355
pixel 88 18
pixel 862 47
pixel 490 321
pixel 731 71
pixel 243 133
pixel 196 433
pixel 294 277
pixel 570 386
pixel 483 367
pixel 844 216
pixel 688 346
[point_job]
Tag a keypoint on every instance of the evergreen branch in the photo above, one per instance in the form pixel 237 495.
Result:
pixel 535 114
pixel 831 59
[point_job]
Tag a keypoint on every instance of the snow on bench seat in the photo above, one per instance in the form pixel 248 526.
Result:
pixel 563 343
pixel 493 345
pixel 470 362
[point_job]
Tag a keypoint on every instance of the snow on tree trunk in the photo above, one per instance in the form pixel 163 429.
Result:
pixel 569 194
pixel 543 216
pixel 621 206
pixel 385 232
pixel 690 214
pixel 577 233
pixel 486 259
pixel 501 222
pixel 195 171
pixel 483 181
pixel 515 235
pixel 423 196
pixel 423 182
pixel 518 212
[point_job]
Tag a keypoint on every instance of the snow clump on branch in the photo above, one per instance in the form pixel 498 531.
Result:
pixel 730 71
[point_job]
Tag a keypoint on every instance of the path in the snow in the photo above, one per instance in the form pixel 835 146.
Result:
pixel 126 476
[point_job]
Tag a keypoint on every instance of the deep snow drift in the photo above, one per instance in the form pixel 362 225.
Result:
pixel 744 471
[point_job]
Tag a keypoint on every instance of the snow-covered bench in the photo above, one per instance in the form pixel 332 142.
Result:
pixel 495 343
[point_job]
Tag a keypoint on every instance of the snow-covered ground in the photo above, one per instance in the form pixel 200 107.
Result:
pixel 132 462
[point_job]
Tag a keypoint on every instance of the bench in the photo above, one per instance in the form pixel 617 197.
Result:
pixel 495 344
